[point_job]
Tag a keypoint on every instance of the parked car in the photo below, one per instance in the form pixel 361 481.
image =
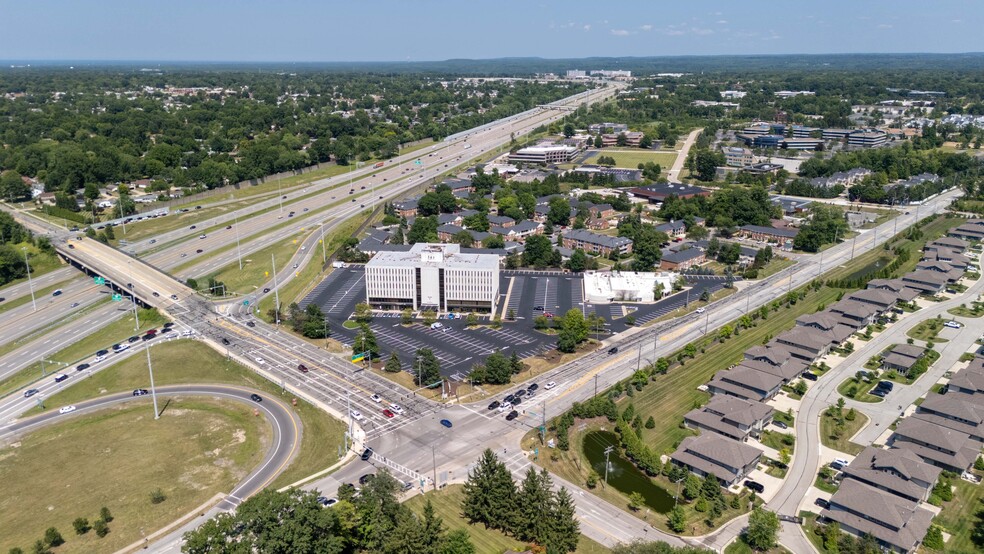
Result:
pixel 780 424
pixel 494 405
pixel 757 487
pixel 952 325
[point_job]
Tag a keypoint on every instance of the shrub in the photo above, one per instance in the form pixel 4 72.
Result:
pixel 81 525
pixel 52 537
pixel 100 528
pixel 157 496
pixel 105 515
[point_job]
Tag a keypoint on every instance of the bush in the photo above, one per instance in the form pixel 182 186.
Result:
pixel 934 538
pixel 650 423
pixel 52 537
pixel 105 515
pixel 100 528
pixel 81 525
pixel 157 496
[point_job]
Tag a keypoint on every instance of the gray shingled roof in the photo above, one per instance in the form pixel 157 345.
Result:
pixel 595 238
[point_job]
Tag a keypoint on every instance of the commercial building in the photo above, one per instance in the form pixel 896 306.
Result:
pixel 660 191
pixel 600 128
pixel 544 154
pixel 737 157
pixel 601 287
pixel 867 138
pixel 433 276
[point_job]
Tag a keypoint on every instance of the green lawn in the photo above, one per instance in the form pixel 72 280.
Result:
pixel 115 458
pixel 186 361
pixel 976 309
pixel 740 547
pixel 778 441
pixel 860 388
pixel 41 263
pixel 842 441
pixel 115 332
pixel 960 515
pixel 258 265
pixel 928 330
pixel 447 506
pixel 631 158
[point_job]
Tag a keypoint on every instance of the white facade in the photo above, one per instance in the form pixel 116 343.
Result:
pixel 601 287
pixel 433 276
pixel 546 154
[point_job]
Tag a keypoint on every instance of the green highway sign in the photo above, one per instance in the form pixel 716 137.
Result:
pixel 100 280
pixel 416 162
pixel 117 297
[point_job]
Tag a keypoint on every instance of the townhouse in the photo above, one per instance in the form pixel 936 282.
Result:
pixel 896 523
pixel 902 357
pixel 683 259
pixel 711 454
pixel 732 417
pixel 595 243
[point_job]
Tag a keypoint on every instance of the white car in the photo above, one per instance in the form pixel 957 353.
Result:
pixel 356 415
pixel 66 409
pixel 504 406
pixel 396 409
pixel 700 310
pixel 260 361
pixel 375 398
pixel 123 347
pixel 549 385
pixel 952 325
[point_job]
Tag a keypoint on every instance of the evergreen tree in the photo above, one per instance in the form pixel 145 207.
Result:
pixel 431 530
pixel 427 370
pixel 457 542
pixel 535 502
pixel 515 363
pixel 677 519
pixel 393 364
pixel 490 494
pixel 564 527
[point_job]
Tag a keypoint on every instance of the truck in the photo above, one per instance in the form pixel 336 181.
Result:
pixel 337 264
pixel 378 165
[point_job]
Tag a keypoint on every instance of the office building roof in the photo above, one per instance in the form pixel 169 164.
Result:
pixel 434 255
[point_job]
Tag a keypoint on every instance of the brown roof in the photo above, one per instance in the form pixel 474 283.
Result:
pixel 716 455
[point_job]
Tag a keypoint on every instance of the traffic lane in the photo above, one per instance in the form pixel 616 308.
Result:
pixel 76 294
pixel 12 292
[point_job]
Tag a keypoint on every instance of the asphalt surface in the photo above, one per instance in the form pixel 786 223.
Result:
pixel 285 424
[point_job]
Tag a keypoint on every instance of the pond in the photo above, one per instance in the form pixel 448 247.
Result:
pixel 622 475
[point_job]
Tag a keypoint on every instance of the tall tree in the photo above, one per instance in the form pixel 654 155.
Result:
pixel 535 503
pixel 427 368
pixel 565 531
pixel 573 331
pixel 763 529
pixel 490 493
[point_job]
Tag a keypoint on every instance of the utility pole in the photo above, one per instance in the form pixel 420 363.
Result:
pixel 348 406
pixel 136 318
pixel 276 293
pixel 543 422
pixel 30 283
pixel 854 241
pixel 596 384
pixel 639 358
pixel 153 391
pixel 324 253
pixel 748 292
pixel 707 319
pixel 434 462
pixel 608 451
pixel 239 253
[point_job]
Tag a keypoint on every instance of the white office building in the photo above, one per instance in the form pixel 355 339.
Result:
pixel 435 277
pixel 544 154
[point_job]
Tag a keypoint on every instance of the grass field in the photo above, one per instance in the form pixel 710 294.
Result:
pixel 861 389
pixel 928 330
pixel 115 458
pixel 740 547
pixel 960 515
pixel 842 443
pixel 116 331
pixel 258 265
pixel 447 506
pixel 976 309
pixel 186 361
pixel 631 158
pixel 41 263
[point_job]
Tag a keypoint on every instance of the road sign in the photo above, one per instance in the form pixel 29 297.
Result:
pixel 99 280
pixel 117 297
pixel 417 162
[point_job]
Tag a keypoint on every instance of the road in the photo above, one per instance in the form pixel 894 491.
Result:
pixel 681 159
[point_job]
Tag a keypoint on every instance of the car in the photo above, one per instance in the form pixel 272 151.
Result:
pixel 495 404
pixel 199 251
pixel 302 368
pixel 60 378
pixel 194 227
pixel 537 308
pixel 366 454
pixel 133 339
pixel 548 314
pixel 201 236
pixel 701 310
pixel 228 227
pixel 356 415
pixel 153 241
pixel 517 401
pixel 57 292
pixel 841 461
pixel 66 409
pixel 504 406
pixel 887 385
pixel 822 503
pixel 156 294
pixel 259 360
pixel 102 352
pixel 250 324
pixel 532 387
pixel 757 487
pixel 519 394
pixel 952 325
pixel 509 399
pixel 184 254
pixel 780 424
pixel 174 297
pixel 30 392
pixel 198 207
pixel 396 408
pixel 446 423
pixel 225 341
pixel 388 413
pixel 255 397
pixel 376 398
pixel 75 304
pixel 81 367
pixel 809 376
pixel 549 385
pixel 613 350
pixel 295 266
pixel 366 478
pixel 512 415
pixel 140 392
pixel 305 209
pixel 265 290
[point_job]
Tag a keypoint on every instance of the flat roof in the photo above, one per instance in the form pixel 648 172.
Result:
pixel 445 256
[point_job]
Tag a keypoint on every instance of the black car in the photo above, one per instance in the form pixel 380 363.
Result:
pixel 366 478
pixel 495 404
pixel 225 341
pixel 146 338
pixel 613 350
pixel 757 487
pixel 537 308
pixel 366 454
pixel 102 352
pixel 512 415
pixel 61 378
pixel 140 392
pixel 886 385
pixel 255 397
pixel 250 324
pixel 509 399
pixel 266 290
pixel 822 503
pixel 532 387
pixel 168 325
pixel 81 367
pixel 516 401
pixel 520 393
pixel 810 376
pixel 133 339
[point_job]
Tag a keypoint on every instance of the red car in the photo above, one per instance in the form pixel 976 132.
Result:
pixel 547 314
pixel 302 367
pixel 388 413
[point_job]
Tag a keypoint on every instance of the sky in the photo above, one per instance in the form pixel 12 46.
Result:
pixel 424 30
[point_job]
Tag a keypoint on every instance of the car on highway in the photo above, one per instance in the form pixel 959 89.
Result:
pixel 133 339
pixel 199 251
pixel 532 387
pixel 376 398
pixel 356 415
pixel 613 350
pixel 225 341
pixel 61 377
pixel 201 236
pixel 952 325
pixel 66 409
pixel 153 241
pixel 259 360
pixel 388 413
pixel 228 227
pixel 184 255
pixel 549 385
pixel 701 310
pixel 194 227
pixel 265 290
pixel 75 304
pixel 156 294
pixel 396 408
pixel 140 392
pixel 255 397
pixel 81 367
pixel 519 394
pixel 30 392
pixel 302 368
pixel 446 423
pixel 57 292
pixel 174 297
pixel 101 353
pixel 512 415
pixel 250 324
pixel 495 404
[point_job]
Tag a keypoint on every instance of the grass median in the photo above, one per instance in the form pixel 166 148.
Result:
pixel 115 458
pixel 447 506
pixel 188 362
pixel 836 430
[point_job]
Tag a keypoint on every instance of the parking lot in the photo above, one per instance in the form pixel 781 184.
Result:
pixel 524 294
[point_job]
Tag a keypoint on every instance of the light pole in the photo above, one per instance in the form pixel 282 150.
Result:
pixel 239 253
pixel 153 391
pixel 30 283
pixel 276 293
pixel 324 252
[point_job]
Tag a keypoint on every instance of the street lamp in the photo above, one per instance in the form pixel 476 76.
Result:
pixel 30 283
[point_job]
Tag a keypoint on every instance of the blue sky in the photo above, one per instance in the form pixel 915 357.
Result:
pixel 375 30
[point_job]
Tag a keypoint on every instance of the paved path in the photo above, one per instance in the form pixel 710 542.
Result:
pixel 674 173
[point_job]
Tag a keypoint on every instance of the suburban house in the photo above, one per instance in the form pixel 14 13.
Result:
pixel 972 230
pixel 896 523
pixel 805 343
pixel 745 382
pixel 852 312
pixel 712 454
pixel 735 418
pixel 943 447
pixel 902 357
pixel 958 411
pixel 925 281
pixel 952 273
pixel 828 323
pixel 896 286
pixel 949 256
pixel 896 471
pixel 683 259
pixel 595 243
pixel 949 243
pixel 882 299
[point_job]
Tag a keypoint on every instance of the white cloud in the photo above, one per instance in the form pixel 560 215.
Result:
pixel 884 26
pixel 587 27
pixel 722 22
pixel 647 27
pixel 957 20
pixel 620 32
pixel 701 32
